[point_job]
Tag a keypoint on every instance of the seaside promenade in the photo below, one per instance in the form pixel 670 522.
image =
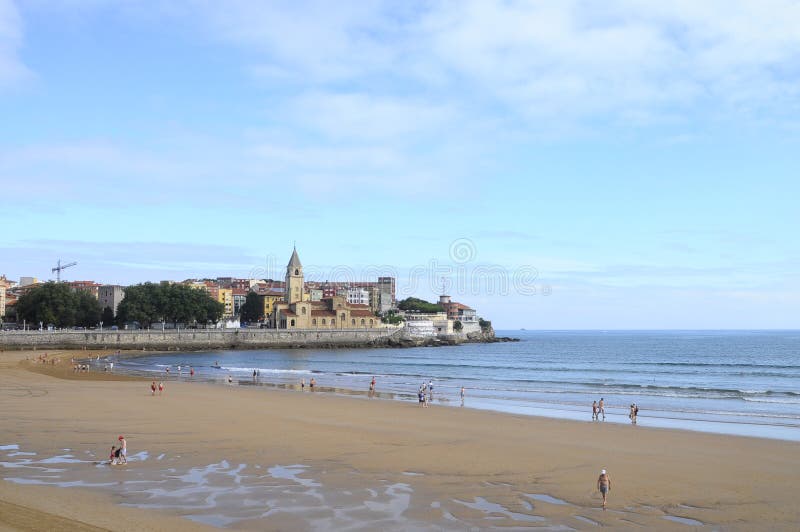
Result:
pixel 194 339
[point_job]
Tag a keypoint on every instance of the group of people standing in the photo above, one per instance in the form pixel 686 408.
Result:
pixel 425 394
pixel 634 412
pixel 598 409
pixel 160 388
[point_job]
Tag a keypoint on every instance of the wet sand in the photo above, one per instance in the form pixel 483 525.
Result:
pixel 268 459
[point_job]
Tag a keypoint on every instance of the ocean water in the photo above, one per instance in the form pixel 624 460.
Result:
pixel 733 382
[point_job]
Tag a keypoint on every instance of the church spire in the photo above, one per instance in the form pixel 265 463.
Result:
pixel 294 262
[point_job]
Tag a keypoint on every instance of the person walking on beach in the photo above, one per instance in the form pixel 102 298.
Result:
pixel 601 409
pixel 153 388
pixel 123 450
pixel 191 371
pixel 312 383
pixel 604 485
pixel 160 387
pixel 302 385
pixel 462 396
pixel 594 410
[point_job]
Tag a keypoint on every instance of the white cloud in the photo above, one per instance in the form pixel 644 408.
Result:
pixel 12 70
pixel 580 59
pixel 631 61
pixel 366 116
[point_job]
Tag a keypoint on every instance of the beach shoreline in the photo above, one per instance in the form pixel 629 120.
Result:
pixel 448 462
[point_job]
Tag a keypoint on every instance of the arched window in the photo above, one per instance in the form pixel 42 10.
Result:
pixel 304 310
pixel 296 271
pixel 333 321
pixel 323 321
pixel 362 321
pixel 292 323
pixel 371 323
pixel 353 322
pixel 314 321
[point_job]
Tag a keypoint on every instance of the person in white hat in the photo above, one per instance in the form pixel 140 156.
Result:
pixel 604 485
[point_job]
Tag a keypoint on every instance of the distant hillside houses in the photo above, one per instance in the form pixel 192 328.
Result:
pixel 293 303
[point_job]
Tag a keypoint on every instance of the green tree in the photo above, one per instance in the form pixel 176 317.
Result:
pixel 392 318
pixel 89 310
pixel 419 305
pixel 485 325
pixel 253 308
pixel 108 317
pixel 174 303
pixel 457 326
pixel 58 304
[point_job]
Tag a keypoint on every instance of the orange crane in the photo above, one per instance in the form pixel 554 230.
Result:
pixel 60 267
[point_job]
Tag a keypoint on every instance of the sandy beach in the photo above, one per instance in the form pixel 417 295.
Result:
pixel 303 461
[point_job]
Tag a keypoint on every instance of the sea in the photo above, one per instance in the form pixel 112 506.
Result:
pixel 729 382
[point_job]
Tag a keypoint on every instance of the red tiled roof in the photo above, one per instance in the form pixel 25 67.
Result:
pixel 323 313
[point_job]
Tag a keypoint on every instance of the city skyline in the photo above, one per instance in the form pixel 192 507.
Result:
pixel 635 164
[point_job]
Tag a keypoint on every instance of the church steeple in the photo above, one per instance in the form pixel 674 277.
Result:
pixel 294 262
pixel 294 279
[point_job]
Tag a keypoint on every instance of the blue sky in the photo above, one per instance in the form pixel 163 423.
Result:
pixel 562 165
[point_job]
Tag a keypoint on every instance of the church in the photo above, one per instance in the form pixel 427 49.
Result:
pixel 297 311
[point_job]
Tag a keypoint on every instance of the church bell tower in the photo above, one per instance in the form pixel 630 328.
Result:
pixel 294 279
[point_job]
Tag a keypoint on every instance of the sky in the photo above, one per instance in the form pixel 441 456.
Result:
pixel 555 165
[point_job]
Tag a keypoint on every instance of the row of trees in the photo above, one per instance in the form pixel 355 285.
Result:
pixel 172 303
pixel 419 305
pixel 59 305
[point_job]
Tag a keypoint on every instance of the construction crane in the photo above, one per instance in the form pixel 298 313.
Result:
pixel 60 267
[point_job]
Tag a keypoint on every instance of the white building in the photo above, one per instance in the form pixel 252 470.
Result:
pixel 358 296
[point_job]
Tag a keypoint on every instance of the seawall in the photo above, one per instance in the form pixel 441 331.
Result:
pixel 199 339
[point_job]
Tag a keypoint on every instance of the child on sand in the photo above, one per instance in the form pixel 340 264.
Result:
pixel 112 458
pixel 160 387
pixel 153 388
